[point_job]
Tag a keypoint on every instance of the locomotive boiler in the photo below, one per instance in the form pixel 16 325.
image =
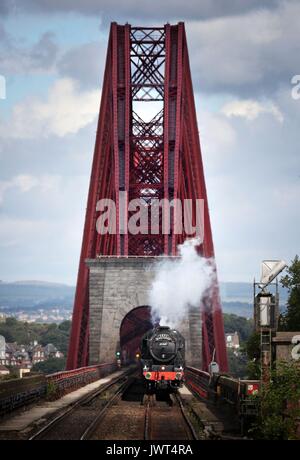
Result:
pixel 162 358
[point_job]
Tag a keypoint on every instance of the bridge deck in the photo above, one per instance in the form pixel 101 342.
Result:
pixel 216 419
pixel 40 412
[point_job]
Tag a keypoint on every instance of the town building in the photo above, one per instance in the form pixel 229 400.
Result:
pixel 232 340
pixel 26 356
pixel 2 350
pixel 52 352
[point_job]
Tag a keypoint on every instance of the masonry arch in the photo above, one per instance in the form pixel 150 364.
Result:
pixel 133 326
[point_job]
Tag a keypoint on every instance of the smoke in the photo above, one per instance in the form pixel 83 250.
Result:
pixel 180 284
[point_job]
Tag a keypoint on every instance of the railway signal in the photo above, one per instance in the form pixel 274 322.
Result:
pixel 266 312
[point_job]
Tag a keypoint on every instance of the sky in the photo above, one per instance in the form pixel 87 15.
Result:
pixel 243 57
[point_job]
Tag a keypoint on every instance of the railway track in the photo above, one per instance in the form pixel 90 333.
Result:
pixel 88 433
pixel 167 420
pixel 120 410
pixel 130 415
pixel 72 423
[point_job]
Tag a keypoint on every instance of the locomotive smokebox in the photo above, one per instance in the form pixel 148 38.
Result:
pixel 163 358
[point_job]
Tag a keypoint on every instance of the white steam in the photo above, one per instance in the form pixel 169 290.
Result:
pixel 180 284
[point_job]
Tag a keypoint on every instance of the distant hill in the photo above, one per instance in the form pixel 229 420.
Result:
pixel 34 294
pixel 236 297
pixel 243 292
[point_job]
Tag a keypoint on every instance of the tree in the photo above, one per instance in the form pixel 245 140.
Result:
pixel 65 326
pixel 279 403
pixel 253 353
pixel 237 362
pixel 50 366
pixel 237 323
pixel 24 333
pixel 290 320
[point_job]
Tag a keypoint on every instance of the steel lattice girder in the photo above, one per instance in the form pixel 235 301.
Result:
pixel 160 158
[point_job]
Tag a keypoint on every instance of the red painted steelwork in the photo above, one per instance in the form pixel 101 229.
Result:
pixel 160 158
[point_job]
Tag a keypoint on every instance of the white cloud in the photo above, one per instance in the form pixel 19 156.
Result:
pixel 26 182
pixel 251 109
pixel 217 135
pixel 245 53
pixel 18 58
pixel 66 111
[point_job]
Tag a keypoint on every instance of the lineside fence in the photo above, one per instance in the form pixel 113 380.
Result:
pixel 18 393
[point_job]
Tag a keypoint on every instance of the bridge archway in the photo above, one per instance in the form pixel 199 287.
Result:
pixel 133 326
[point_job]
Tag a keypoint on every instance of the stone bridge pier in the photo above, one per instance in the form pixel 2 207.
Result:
pixel 118 285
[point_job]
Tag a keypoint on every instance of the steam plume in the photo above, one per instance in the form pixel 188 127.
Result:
pixel 180 284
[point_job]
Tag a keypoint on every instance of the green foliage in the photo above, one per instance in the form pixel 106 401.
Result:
pixel 239 324
pixel 290 320
pixel 279 402
pixel 17 331
pixel 24 333
pixel 237 362
pixel 253 346
pixel 52 392
pixel 253 370
pixel 50 366
pixel 253 354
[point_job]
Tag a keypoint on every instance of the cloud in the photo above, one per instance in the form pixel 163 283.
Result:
pixel 247 54
pixel 21 59
pixel 66 111
pixel 41 229
pixel 251 109
pixel 84 63
pixel 244 48
pixel 218 138
pixel 242 62
pixel 136 9
pixel 6 7
pixel 26 182
pixel 23 182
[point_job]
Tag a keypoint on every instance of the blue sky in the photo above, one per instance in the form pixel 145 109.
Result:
pixel 242 58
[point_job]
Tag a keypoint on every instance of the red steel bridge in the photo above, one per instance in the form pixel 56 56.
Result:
pixel 157 158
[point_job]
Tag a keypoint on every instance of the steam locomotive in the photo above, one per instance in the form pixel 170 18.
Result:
pixel 162 359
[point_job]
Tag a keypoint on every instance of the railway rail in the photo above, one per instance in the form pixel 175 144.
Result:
pixel 167 423
pixel 120 410
pixel 131 415
pixel 74 421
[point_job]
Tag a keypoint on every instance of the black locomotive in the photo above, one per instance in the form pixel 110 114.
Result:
pixel 162 358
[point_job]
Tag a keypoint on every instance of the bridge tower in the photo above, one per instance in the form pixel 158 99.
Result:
pixel 154 158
